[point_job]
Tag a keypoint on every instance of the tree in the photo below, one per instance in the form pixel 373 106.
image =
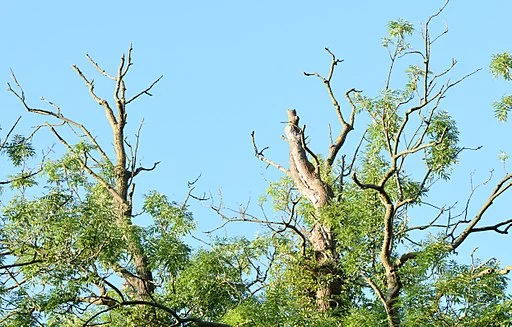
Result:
pixel 364 235
pixel 355 242
pixel 73 256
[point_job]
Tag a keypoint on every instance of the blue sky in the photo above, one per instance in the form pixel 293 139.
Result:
pixel 231 67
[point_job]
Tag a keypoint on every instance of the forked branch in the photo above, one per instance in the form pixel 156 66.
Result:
pixel 503 185
pixel 259 154
pixel 346 126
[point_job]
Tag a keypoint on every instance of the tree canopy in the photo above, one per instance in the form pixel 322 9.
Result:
pixel 353 239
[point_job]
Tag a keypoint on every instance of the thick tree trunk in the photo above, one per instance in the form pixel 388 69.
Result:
pixel 322 240
pixel 307 179
pixel 394 285
pixel 143 281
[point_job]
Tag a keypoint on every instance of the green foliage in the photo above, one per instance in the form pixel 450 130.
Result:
pixel 439 291
pixel 355 219
pixel 68 234
pixel 281 193
pixel 69 245
pixel 19 149
pixel 503 157
pixel 365 316
pixel 399 28
pixel 384 110
pixel 285 302
pixel 65 172
pixel 414 73
pixel 170 218
pixel 22 180
pixel 397 31
pixel 215 281
pixel 463 296
pixel 502 107
pixel 444 134
pixel 356 216
pixel 163 240
pixel 501 65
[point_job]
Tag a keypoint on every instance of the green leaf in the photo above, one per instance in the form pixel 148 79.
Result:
pixel 399 28
pixel 169 216
pixel 502 107
pixel 19 149
pixel 501 65
pixel 443 153
pixel 503 156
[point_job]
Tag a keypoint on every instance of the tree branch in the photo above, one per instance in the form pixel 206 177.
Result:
pixel 259 154
pixel 102 102
pixel 504 184
pixel 145 91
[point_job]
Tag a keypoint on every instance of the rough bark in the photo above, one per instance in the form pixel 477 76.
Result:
pixel 307 179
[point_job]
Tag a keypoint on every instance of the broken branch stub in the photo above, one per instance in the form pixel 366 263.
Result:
pixel 306 178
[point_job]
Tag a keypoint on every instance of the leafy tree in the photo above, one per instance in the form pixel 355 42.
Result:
pixel 357 242
pixel 362 254
pixel 73 256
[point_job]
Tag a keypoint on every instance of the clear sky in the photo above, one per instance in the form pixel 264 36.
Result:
pixel 231 67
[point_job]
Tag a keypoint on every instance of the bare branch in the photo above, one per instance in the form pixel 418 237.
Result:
pixel 448 86
pixel 365 186
pixel 9 133
pixel 375 288
pixel 503 185
pixel 21 264
pixel 259 154
pixel 436 14
pixel 354 156
pixel 308 150
pixel 102 102
pixel 496 227
pixel 99 69
pixel 22 177
pixel 21 97
pixel 444 32
pixel 172 313
pixel 138 170
pixel 432 223
pixel 145 91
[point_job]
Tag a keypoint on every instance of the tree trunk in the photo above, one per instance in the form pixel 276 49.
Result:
pixel 306 178
pixel 143 281
pixel 394 285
